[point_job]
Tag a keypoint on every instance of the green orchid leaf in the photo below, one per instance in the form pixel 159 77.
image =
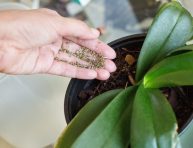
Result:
pixel 120 137
pixel 172 71
pixel 153 123
pixel 110 128
pixel 172 28
pixel 85 116
pixel 107 130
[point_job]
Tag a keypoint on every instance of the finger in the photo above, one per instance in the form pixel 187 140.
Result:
pixel 96 45
pixel 110 66
pixel 73 47
pixel 64 69
pixel 76 28
pixel 61 56
pixel 102 74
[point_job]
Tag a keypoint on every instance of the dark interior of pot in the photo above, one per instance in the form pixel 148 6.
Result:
pixel 79 92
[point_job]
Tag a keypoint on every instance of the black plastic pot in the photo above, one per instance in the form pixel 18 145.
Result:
pixel 75 85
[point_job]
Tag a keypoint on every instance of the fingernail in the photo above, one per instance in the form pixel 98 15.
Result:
pixel 110 66
pixel 114 55
pixel 95 31
pixel 110 53
pixel 114 68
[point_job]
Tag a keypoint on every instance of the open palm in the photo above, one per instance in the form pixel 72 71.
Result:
pixel 30 40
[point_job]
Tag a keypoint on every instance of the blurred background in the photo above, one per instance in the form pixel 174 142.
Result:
pixel 31 107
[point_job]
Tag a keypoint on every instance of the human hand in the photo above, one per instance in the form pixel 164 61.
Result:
pixel 30 40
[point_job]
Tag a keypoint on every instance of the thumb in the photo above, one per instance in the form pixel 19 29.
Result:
pixel 75 28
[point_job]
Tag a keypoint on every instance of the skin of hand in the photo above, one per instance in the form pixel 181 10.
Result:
pixel 31 39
